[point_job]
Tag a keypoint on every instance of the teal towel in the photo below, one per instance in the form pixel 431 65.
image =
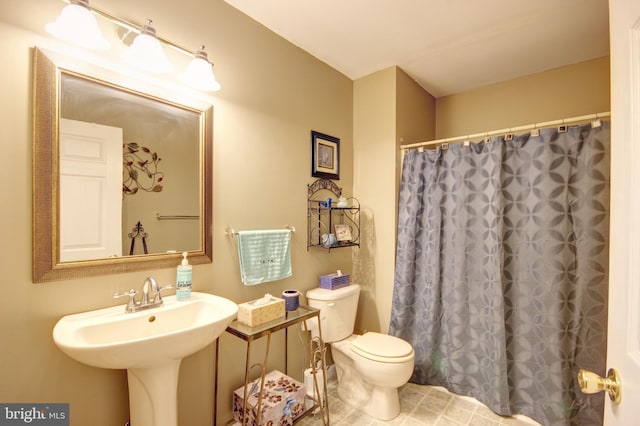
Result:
pixel 264 255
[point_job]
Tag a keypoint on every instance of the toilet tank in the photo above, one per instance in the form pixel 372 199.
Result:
pixel 337 311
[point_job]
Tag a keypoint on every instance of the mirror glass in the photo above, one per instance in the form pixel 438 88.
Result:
pixel 122 178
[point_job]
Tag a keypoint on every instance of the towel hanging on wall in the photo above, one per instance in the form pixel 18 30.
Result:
pixel 264 255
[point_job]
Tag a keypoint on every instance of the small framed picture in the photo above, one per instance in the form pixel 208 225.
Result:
pixel 343 233
pixel 325 156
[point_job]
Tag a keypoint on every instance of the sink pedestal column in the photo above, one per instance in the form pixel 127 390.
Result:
pixel 153 394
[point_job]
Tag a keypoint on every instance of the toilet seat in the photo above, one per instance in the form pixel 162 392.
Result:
pixel 382 348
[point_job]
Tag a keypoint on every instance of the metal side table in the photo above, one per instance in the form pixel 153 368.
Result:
pixel 249 334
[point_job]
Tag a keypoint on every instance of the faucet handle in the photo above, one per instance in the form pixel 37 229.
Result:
pixel 131 304
pixel 158 296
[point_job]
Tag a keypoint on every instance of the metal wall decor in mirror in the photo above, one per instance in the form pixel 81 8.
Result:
pixel 92 134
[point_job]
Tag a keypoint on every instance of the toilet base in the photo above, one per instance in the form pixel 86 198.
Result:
pixel 379 402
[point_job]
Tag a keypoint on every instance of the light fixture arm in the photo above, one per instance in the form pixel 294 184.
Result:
pixel 83 3
pixel 201 54
pixel 137 28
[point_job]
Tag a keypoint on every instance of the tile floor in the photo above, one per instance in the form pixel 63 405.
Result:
pixel 419 405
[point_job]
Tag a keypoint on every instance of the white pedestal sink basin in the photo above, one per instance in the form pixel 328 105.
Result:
pixel 149 344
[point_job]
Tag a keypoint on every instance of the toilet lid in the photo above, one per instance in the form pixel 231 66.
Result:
pixel 382 345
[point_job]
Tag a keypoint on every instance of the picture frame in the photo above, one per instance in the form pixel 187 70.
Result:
pixel 343 233
pixel 325 156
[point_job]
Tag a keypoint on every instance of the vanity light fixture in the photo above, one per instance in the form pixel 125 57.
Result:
pixel 146 51
pixel 199 73
pixel 77 24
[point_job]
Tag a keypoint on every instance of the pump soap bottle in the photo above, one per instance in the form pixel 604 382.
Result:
pixel 183 279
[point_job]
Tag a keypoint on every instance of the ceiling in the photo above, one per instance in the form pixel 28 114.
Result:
pixel 447 46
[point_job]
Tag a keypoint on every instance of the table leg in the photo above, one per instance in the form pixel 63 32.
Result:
pixel 264 373
pixel 246 383
pixel 323 402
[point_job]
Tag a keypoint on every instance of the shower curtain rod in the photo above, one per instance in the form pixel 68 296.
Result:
pixel 509 130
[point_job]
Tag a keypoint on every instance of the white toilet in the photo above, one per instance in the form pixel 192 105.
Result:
pixel 370 367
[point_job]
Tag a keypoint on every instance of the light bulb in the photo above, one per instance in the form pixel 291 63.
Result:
pixel 199 73
pixel 146 52
pixel 76 24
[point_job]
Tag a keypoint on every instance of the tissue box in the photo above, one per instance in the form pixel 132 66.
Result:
pixel 252 315
pixel 334 281
pixel 282 400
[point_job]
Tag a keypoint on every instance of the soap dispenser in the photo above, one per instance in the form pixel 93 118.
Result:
pixel 183 279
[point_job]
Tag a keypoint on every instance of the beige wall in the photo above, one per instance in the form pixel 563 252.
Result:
pixel 388 107
pixel 374 181
pixel 570 91
pixel 273 95
pixel 415 115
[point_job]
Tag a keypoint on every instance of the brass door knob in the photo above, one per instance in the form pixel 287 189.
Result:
pixel 590 382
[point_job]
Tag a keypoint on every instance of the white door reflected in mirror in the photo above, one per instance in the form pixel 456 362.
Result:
pixel 90 190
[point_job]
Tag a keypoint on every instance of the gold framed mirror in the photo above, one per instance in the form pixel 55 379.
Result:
pixel 122 178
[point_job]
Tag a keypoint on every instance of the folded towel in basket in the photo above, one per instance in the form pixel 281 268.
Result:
pixel 264 255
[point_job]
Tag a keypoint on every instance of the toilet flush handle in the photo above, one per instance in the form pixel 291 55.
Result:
pixel 331 304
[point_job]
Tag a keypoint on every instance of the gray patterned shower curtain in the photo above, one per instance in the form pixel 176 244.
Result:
pixel 501 274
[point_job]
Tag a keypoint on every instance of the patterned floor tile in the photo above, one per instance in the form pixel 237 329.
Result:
pixel 419 406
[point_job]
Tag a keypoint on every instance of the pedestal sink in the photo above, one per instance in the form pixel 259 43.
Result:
pixel 149 344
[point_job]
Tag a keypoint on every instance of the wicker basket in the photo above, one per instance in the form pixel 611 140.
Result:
pixel 334 281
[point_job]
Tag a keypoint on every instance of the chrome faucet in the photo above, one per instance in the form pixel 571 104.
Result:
pixel 150 288
pixel 149 285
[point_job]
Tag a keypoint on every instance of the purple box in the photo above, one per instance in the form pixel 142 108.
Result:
pixel 334 281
